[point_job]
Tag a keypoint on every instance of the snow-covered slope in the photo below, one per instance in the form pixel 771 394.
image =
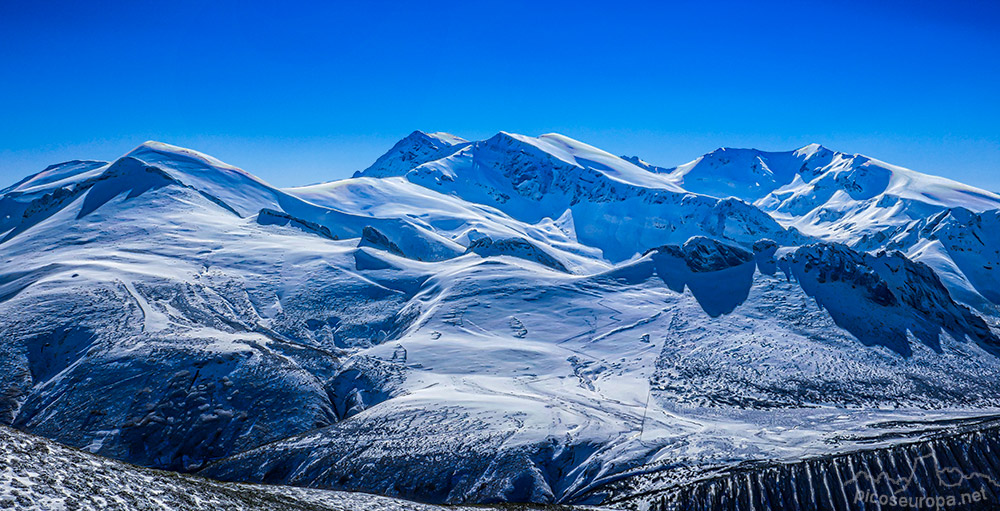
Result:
pixel 512 319
pixel 416 149
pixel 848 198
pixel 612 204
pixel 745 173
pixel 40 475
pixel 827 194
pixel 961 246
pixel 459 221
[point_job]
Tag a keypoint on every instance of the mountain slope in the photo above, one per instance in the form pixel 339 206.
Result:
pixel 513 319
pixel 614 205
pixel 827 194
pixel 769 359
pixel 36 474
pixel 959 244
pixel 416 149
pixel 852 199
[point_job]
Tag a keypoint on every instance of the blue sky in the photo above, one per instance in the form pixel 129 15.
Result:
pixel 303 93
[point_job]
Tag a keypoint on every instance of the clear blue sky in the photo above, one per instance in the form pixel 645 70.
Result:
pixel 299 93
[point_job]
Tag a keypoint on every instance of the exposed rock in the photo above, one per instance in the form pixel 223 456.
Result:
pixel 703 254
pixel 272 217
pixel 515 247
pixel 372 237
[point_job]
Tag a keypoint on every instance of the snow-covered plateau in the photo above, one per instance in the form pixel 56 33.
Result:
pixel 517 319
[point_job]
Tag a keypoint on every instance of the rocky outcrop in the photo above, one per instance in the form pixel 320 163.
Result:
pixel 372 237
pixel 829 262
pixel 718 275
pixel 883 298
pixel 272 217
pixel 701 254
pixel 515 247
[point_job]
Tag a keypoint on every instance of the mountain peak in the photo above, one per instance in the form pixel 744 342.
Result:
pixel 446 137
pixel 152 151
pixel 810 149
pixel 55 175
pixel 485 312
pixel 241 191
pixel 413 150
pixel 436 137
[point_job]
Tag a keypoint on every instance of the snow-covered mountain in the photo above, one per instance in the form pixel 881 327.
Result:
pixel 827 194
pixel 600 200
pixel 512 319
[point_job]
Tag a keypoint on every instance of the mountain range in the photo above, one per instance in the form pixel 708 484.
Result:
pixel 516 319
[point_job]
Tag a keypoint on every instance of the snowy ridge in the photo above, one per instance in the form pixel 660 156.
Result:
pixel 824 193
pixel 516 319
pixel 615 206
pixel 959 244
pixel 417 148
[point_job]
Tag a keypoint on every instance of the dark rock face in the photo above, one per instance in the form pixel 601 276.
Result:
pixel 763 252
pixel 765 246
pixel 705 254
pixel 701 254
pixel 181 406
pixel 828 262
pixel 718 275
pixel 272 217
pixel 44 475
pixel 922 290
pixel 882 298
pixel 372 237
pixel 954 470
pixel 515 247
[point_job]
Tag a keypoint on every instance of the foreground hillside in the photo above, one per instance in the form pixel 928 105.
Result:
pixel 36 474
pixel 517 319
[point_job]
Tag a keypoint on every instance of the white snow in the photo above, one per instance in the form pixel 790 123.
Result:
pixel 282 347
